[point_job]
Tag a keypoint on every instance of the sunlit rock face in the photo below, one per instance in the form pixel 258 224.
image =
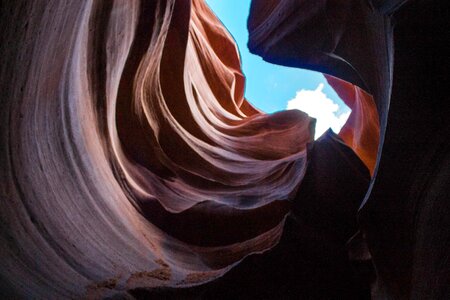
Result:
pixel 131 160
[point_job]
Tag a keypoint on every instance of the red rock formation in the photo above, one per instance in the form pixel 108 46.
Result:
pixel 130 158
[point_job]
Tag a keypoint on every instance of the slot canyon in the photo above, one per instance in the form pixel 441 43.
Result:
pixel 133 167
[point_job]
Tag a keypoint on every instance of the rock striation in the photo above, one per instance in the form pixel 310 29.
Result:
pixel 130 157
pixel 133 166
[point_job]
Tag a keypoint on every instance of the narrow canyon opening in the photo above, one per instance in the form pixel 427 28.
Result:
pixel 272 87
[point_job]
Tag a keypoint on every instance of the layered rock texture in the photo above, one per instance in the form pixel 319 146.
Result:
pixel 132 166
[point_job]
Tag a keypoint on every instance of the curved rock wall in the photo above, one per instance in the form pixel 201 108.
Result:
pixel 130 157
pixel 129 154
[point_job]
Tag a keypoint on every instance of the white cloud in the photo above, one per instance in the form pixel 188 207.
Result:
pixel 317 105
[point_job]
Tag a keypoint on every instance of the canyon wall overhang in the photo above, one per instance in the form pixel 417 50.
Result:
pixel 397 51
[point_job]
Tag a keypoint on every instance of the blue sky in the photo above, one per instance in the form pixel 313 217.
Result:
pixel 271 87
